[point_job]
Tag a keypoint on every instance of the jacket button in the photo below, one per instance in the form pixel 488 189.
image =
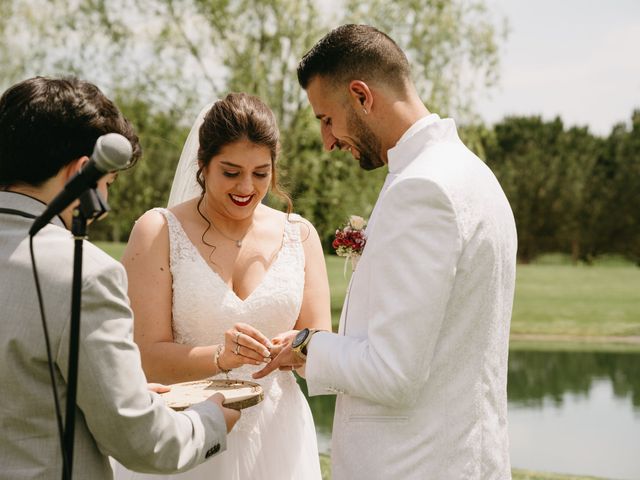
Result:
pixel 212 451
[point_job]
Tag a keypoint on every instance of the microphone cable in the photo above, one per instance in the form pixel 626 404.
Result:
pixel 65 461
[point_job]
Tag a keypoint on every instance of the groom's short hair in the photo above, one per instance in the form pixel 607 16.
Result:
pixel 355 52
pixel 46 123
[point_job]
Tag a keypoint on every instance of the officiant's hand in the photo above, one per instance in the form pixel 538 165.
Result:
pixel 244 345
pixel 231 416
pixel 287 359
pixel 158 387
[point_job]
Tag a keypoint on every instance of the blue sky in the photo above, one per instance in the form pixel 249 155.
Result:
pixel 576 59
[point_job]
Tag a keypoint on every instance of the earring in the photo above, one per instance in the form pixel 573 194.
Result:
pixel 365 111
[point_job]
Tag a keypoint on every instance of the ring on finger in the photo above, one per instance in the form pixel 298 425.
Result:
pixel 237 349
pixel 238 337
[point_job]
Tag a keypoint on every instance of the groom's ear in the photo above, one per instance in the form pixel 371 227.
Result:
pixel 361 95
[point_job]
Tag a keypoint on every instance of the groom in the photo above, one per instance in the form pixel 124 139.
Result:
pixel 420 360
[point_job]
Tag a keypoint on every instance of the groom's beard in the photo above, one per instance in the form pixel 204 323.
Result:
pixel 366 142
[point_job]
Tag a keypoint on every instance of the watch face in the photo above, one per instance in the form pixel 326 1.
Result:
pixel 302 334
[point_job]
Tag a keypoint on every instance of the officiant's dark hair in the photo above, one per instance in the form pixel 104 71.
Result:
pixel 237 117
pixel 356 52
pixel 46 123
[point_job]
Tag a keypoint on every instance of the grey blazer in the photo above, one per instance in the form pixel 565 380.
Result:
pixel 116 414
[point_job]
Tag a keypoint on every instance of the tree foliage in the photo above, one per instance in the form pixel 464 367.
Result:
pixel 162 60
pixel 177 55
pixel 452 46
pixel 570 191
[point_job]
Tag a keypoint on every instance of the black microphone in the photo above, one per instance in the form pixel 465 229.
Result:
pixel 112 152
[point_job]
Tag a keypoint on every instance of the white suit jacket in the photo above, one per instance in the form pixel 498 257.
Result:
pixel 116 414
pixel 420 361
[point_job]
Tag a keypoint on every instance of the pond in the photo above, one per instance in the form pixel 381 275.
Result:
pixel 569 412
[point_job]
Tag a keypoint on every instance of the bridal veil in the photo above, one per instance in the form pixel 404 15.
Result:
pixel 185 186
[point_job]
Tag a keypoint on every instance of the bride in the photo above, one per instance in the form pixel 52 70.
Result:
pixel 219 278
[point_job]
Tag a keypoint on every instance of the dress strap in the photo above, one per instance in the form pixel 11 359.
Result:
pixel 172 221
pixel 292 228
pixel 179 244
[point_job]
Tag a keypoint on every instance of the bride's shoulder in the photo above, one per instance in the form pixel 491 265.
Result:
pixel 150 224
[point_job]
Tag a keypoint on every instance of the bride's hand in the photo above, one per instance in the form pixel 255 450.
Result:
pixel 243 345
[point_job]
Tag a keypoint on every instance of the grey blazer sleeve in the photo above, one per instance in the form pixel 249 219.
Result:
pixel 127 421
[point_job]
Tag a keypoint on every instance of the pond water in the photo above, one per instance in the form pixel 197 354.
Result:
pixel 569 412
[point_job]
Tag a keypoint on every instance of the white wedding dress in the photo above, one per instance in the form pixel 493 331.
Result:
pixel 276 439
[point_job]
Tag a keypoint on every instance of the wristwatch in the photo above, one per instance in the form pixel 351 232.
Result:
pixel 299 344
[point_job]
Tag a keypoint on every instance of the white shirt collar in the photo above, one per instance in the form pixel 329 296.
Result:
pixel 416 127
pixel 427 129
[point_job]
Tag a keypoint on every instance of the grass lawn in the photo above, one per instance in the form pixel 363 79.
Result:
pixel 527 475
pixel 552 298
pixel 325 465
pixel 112 248
pixel 577 300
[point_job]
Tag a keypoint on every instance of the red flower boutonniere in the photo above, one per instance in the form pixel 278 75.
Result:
pixel 350 240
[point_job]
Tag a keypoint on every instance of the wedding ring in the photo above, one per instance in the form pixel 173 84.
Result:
pixel 237 349
pixel 238 337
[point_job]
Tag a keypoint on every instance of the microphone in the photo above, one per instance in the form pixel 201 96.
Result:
pixel 112 152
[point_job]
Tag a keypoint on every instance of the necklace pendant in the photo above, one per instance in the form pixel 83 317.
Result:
pixel 238 243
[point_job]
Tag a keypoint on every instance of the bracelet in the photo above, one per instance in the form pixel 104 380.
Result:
pixel 216 359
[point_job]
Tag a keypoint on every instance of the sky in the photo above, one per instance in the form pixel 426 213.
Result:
pixel 578 59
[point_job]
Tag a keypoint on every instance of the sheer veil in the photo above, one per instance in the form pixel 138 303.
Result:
pixel 185 186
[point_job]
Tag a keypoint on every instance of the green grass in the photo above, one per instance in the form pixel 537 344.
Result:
pixel 112 248
pixel 528 475
pixel 555 298
pixel 325 466
pixel 552 297
pixel 600 300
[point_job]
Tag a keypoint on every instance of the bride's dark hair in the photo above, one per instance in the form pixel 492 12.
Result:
pixel 238 117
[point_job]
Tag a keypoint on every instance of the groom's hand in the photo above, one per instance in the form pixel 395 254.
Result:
pixel 280 341
pixel 230 416
pixel 287 359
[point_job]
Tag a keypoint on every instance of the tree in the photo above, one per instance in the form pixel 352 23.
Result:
pixel 579 153
pixel 176 55
pixel 452 46
pixel 148 183
pixel 611 220
pixel 525 156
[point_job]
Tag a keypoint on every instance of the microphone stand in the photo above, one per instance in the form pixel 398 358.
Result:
pixel 92 207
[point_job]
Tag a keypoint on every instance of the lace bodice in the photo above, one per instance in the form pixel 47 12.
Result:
pixel 204 306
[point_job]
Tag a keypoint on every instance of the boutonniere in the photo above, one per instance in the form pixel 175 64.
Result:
pixel 350 241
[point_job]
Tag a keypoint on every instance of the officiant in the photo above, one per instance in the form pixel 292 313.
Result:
pixel 48 129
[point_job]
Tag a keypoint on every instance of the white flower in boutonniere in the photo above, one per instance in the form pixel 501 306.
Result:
pixel 350 240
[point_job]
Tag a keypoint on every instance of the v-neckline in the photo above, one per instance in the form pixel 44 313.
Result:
pixel 217 275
